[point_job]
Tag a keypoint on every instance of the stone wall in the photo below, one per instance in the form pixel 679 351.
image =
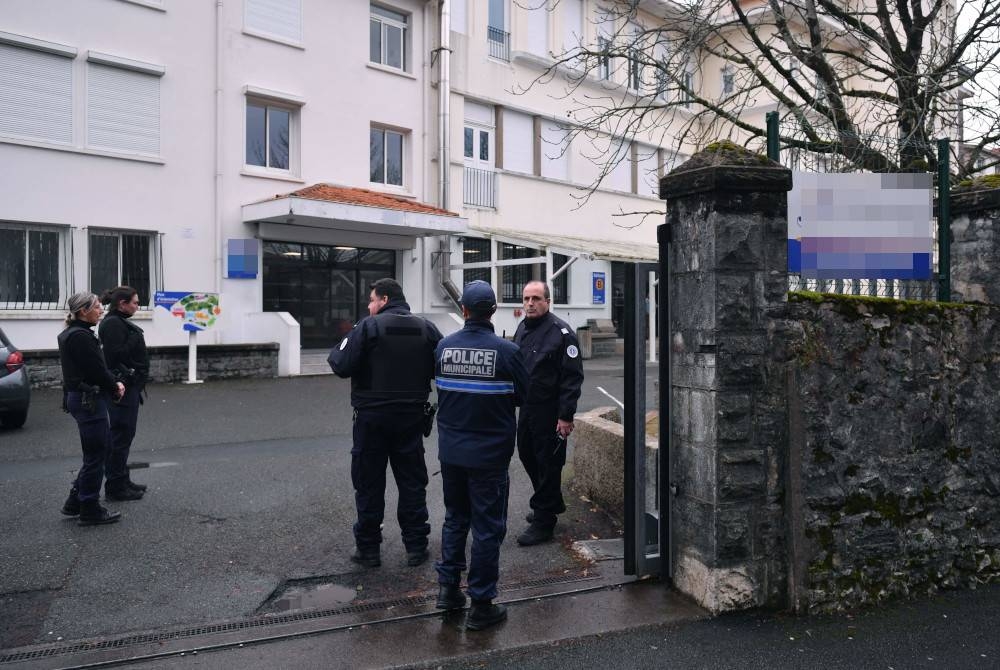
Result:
pixel 894 448
pixel 169 364
pixel 975 247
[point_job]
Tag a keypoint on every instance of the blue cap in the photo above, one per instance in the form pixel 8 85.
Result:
pixel 478 295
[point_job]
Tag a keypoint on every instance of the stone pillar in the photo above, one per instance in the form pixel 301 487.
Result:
pixel 728 274
pixel 975 246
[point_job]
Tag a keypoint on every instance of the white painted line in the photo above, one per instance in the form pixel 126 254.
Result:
pixel 616 400
pixel 163 464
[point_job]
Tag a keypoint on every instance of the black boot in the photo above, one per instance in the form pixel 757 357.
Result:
pixel 92 514
pixel 122 494
pixel 72 505
pixel 368 558
pixel 450 597
pixel 418 557
pixel 485 614
pixel 138 487
pixel 535 534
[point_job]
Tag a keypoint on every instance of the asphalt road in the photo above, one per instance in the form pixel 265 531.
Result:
pixel 249 487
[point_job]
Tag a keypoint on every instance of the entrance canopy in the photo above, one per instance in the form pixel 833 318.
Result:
pixel 605 250
pixel 357 216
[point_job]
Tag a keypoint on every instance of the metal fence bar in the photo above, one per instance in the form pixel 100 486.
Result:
pixel 479 187
pixel 499 43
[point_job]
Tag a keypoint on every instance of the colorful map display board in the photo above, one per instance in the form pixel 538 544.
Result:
pixel 198 311
pixel 860 226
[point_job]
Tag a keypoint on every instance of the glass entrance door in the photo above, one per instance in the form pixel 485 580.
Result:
pixel 325 288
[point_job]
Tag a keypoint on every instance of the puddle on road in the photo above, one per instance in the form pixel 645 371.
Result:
pixel 318 596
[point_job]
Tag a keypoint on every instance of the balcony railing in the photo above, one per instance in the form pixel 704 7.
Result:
pixel 499 42
pixel 479 188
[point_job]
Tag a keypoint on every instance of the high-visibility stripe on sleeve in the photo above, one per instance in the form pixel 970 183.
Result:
pixel 469 386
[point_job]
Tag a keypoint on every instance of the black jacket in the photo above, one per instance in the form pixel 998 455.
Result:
pixel 552 356
pixel 389 358
pixel 82 359
pixel 124 347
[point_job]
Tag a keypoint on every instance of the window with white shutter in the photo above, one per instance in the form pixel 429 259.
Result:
pixel 123 110
pixel 555 150
pixel 518 141
pixel 281 19
pixel 36 95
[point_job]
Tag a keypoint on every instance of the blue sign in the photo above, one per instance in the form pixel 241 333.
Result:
pixel 600 288
pixel 242 258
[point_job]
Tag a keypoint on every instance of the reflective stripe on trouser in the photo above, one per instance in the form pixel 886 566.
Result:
pixel 478 499
pixel 95 440
pixel 124 416
pixel 393 439
pixel 543 456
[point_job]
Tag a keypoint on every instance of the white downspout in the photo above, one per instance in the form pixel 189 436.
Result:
pixel 219 42
pixel 444 144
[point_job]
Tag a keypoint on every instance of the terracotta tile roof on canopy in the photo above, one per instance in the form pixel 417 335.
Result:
pixel 363 197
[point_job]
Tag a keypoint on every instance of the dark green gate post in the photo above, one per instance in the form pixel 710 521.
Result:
pixel 773 147
pixel 944 221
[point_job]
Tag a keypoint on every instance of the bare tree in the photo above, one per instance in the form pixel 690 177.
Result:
pixel 858 84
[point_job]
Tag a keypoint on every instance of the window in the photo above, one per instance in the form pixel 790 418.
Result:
pixel 514 277
pixel 728 81
pixel 538 27
pixel 269 135
pixel 647 169
pixel 386 157
pixel 277 19
pixel 476 250
pixel 572 23
pixel 555 151
pixel 686 94
pixel 604 60
pixel 496 30
pixel 36 95
pixel 518 142
pixel 635 58
pixel 388 38
pixel 560 285
pixel 123 109
pixel 32 270
pixel 120 258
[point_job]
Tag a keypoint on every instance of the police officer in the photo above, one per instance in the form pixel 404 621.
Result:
pixel 389 357
pixel 552 356
pixel 480 379
pixel 125 352
pixel 88 388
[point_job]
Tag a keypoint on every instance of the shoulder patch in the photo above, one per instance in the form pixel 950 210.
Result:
pixel 572 351
pixel 565 331
pixel 343 344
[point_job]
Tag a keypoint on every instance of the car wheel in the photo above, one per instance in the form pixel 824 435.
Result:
pixel 13 419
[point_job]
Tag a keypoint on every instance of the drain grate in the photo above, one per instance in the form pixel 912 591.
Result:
pixel 255 623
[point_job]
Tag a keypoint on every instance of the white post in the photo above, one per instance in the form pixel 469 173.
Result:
pixel 652 316
pixel 193 358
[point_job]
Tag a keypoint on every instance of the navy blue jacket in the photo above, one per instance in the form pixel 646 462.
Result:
pixel 480 380
pixel 389 358
pixel 552 355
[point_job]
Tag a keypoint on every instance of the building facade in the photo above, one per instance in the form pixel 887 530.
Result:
pixel 281 155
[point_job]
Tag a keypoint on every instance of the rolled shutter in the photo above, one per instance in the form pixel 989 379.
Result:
pixel 36 95
pixel 281 18
pixel 123 110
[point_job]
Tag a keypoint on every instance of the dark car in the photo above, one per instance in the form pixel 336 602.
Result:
pixel 15 390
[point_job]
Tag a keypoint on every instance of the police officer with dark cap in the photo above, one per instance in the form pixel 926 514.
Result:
pixel 480 380
pixel 389 357
pixel 552 355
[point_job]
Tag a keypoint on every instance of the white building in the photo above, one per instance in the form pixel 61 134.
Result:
pixel 278 153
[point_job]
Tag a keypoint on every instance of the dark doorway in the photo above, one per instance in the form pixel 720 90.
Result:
pixel 325 288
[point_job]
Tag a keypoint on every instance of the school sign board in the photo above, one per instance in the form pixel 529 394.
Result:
pixel 197 311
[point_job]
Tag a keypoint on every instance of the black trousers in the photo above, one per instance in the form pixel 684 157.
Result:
pixel 95 440
pixel 395 439
pixel 124 416
pixel 543 456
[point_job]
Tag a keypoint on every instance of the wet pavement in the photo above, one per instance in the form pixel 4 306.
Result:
pixel 250 501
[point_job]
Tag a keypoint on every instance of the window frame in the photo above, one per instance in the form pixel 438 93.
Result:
pixel 561 284
pixel 404 172
pixel 293 134
pixel 405 37
pixel 604 59
pixel 153 261
pixel 64 239
pixel 727 79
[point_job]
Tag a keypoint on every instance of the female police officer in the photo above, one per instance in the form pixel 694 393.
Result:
pixel 87 388
pixel 125 352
